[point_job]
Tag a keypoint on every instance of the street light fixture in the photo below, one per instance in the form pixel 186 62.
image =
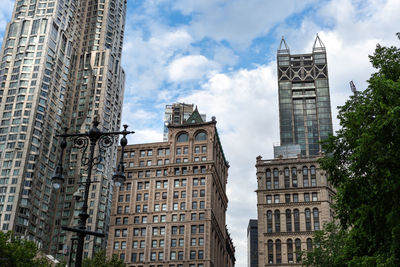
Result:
pixel 82 141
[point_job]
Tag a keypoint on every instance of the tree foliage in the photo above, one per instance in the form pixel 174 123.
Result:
pixel 363 164
pixel 328 247
pixel 100 260
pixel 16 252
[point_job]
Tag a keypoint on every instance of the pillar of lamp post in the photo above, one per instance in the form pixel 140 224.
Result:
pixel 82 141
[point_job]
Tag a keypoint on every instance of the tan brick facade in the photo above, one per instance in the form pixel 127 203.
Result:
pixel 294 198
pixel 171 210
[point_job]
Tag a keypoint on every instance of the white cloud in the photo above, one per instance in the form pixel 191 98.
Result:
pixel 5 14
pixel 190 67
pixel 237 22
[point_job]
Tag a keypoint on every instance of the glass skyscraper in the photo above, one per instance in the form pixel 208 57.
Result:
pixel 305 116
pixel 60 66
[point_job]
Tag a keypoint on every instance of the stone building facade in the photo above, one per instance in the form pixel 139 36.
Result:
pixel 294 199
pixel 171 210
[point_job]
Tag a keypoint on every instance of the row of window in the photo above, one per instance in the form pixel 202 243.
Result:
pixel 276 217
pixel 174 255
pixel 291 180
pixel 289 249
pixel 165 151
pixel 160 218
pixel 295 197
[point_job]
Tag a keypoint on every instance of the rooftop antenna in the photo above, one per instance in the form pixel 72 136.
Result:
pixel 283 47
pixel 318 45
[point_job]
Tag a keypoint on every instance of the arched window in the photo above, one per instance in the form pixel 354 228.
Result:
pixel 278 251
pixel 288 220
pixel 276 178
pixel 313 176
pixel 296 215
pixel 201 136
pixel 309 244
pixel 269 221
pixel 297 244
pixel 277 221
pixel 270 251
pixel 287 178
pixel 268 174
pixel 316 218
pixel 294 177
pixel 305 177
pixel 289 244
pixel 307 213
pixel 182 137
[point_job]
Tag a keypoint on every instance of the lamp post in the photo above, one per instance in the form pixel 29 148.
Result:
pixel 83 141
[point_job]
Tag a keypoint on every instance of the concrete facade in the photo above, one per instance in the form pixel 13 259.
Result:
pixel 294 198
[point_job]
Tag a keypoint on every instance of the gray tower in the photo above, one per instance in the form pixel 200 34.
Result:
pixel 304 102
pixel 60 66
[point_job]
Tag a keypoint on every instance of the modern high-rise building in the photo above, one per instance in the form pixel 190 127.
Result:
pixel 171 210
pixel 305 116
pixel 252 244
pixel 60 67
pixel 177 114
pixel 294 197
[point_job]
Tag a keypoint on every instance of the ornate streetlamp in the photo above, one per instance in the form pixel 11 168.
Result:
pixel 82 141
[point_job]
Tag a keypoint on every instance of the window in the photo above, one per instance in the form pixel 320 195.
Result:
pixel 296 215
pixel 297 243
pixel 182 137
pixel 287 198
pixel 295 197
pixel 269 221
pixel 307 214
pixel 269 199
pixel 287 178
pixel 201 136
pixel 306 197
pixel 294 177
pixel 270 252
pixel 290 250
pixel 276 178
pixel 278 251
pixel 309 244
pixel 314 196
pixel 316 218
pixel 277 221
pixel 305 177
pixel 268 174
pixel 288 221
pixel 276 198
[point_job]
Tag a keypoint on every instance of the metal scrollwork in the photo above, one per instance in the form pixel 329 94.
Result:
pixel 82 143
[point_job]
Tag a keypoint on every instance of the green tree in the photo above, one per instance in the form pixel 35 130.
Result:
pixel 100 260
pixel 363 164
pixel 15 252
pixel 328 249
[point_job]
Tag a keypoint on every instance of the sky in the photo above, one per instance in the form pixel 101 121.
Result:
pixel 221 56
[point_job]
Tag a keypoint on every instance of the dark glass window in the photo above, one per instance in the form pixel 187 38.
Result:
pixel 288 220
pixel 296 216
pixel 297 243
pixel 316 218
pixel 270 251
pixel 309 244
pixel 268 174
pixel 201 136
pixel 269 221
pixel 277 221
pixel 278 251
pixel 307 213
pixel 294 177
pixel 290 250
pixel 287 178
pixel 183 137
pixel 276 178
